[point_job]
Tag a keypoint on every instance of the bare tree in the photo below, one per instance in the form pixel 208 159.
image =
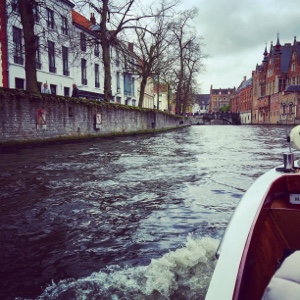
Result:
pixel 116 19
pixel 193 63
pixel 26 8
pixel 153 41
pixel 189 57
pixel 119 19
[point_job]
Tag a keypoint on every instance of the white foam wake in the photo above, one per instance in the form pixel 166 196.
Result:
pixel 181 274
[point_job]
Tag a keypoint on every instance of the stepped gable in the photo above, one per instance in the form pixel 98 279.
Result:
pixel 285 53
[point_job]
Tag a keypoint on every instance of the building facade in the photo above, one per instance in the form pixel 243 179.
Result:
pixel 241 101
pixel 220 98
pixel 68 52
pixel 201 105
pixel 275 81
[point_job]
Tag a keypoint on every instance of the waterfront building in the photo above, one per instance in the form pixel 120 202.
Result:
pixel 68 52
pixel 290 100
pixel 201 105
pixel 149 101
pixel 219 98
pixel 3 46
pixel 279 69
pixel 241 101
pixel 53 34
pixel 162 96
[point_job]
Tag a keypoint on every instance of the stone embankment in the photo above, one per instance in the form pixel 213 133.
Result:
pixel 29 118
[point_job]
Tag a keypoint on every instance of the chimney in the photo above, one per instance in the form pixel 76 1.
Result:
pixel 130 47
pixel 245 78
pixel 92 19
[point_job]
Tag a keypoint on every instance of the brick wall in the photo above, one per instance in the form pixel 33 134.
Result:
pixel 29 117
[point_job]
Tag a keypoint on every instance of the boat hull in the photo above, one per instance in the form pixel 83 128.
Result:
pixel 263 228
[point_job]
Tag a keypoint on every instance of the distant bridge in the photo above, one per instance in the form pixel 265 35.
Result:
pixel 221 118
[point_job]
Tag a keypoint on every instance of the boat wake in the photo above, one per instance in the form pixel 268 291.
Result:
pixel 181 274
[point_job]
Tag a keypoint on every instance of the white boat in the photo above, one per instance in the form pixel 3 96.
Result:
pixel 263 230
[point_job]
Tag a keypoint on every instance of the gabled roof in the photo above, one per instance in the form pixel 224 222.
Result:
pixel 244 84
pixel 286 57
pixel 81 21
pixel 285 53
pixel 199 98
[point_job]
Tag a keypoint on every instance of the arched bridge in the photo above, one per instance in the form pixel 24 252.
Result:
pixel 221 118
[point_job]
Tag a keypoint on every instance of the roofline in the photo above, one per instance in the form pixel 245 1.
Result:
pixel 69 3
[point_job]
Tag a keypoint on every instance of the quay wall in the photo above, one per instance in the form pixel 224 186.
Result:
pixel 30 117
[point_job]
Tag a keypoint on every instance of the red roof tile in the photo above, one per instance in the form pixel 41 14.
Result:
pixel 81 20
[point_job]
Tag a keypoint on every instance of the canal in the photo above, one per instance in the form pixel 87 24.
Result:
pixel 125 218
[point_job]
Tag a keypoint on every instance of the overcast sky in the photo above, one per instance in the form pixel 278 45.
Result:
pixel 235 34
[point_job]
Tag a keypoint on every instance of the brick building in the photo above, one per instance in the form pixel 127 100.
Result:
pixel 241 101
pixel 219 98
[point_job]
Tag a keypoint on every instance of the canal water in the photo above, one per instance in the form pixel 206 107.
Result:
pixel 125 218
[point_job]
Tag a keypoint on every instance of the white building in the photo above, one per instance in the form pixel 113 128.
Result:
pixel 68 53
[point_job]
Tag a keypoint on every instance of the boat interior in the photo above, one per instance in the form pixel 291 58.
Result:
pixel 274 235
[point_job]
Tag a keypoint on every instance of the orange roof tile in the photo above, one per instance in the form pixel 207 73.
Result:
pixel 81 20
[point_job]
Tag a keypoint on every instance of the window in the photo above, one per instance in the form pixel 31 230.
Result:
pixel 38 53
pixel 15 6
pixel 82 42
pixel 53 89
pixel 97 52
pixel 118 83
pixel 50 18
pixel 65 61
pixel 36 13
pixel 51 57
pixel 117 58
pixel 18 49
pixel 97 82
pixel 66 91
pixel 133 87
pixel 83 72
pixel 127 84
pixel 64 25
pixel 19 83
pixel 39 86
